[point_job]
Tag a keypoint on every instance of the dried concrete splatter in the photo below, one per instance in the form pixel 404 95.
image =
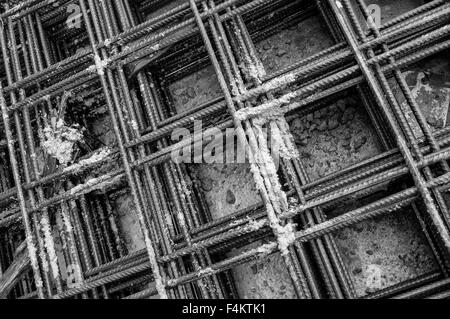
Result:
pixel 129 223
pixel 429 83
pixel 264 278
pixel 227 187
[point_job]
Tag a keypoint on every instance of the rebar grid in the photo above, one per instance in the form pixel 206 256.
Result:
pixel 181 241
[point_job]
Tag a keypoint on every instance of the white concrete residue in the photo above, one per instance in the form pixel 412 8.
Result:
pixel 155 47
pixel 134 126
pixel 433 101
pixel 266 277
pixel 32 252
pixel 107 43
pixel 50 246
pixel 100 65
pixel 267 108
pixel 263 155
pixel 59 141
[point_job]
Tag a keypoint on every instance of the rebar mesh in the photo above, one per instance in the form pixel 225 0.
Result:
pixel 73 67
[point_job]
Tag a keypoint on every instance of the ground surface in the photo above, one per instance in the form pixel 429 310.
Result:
pixel 379 253
pixel 335 137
